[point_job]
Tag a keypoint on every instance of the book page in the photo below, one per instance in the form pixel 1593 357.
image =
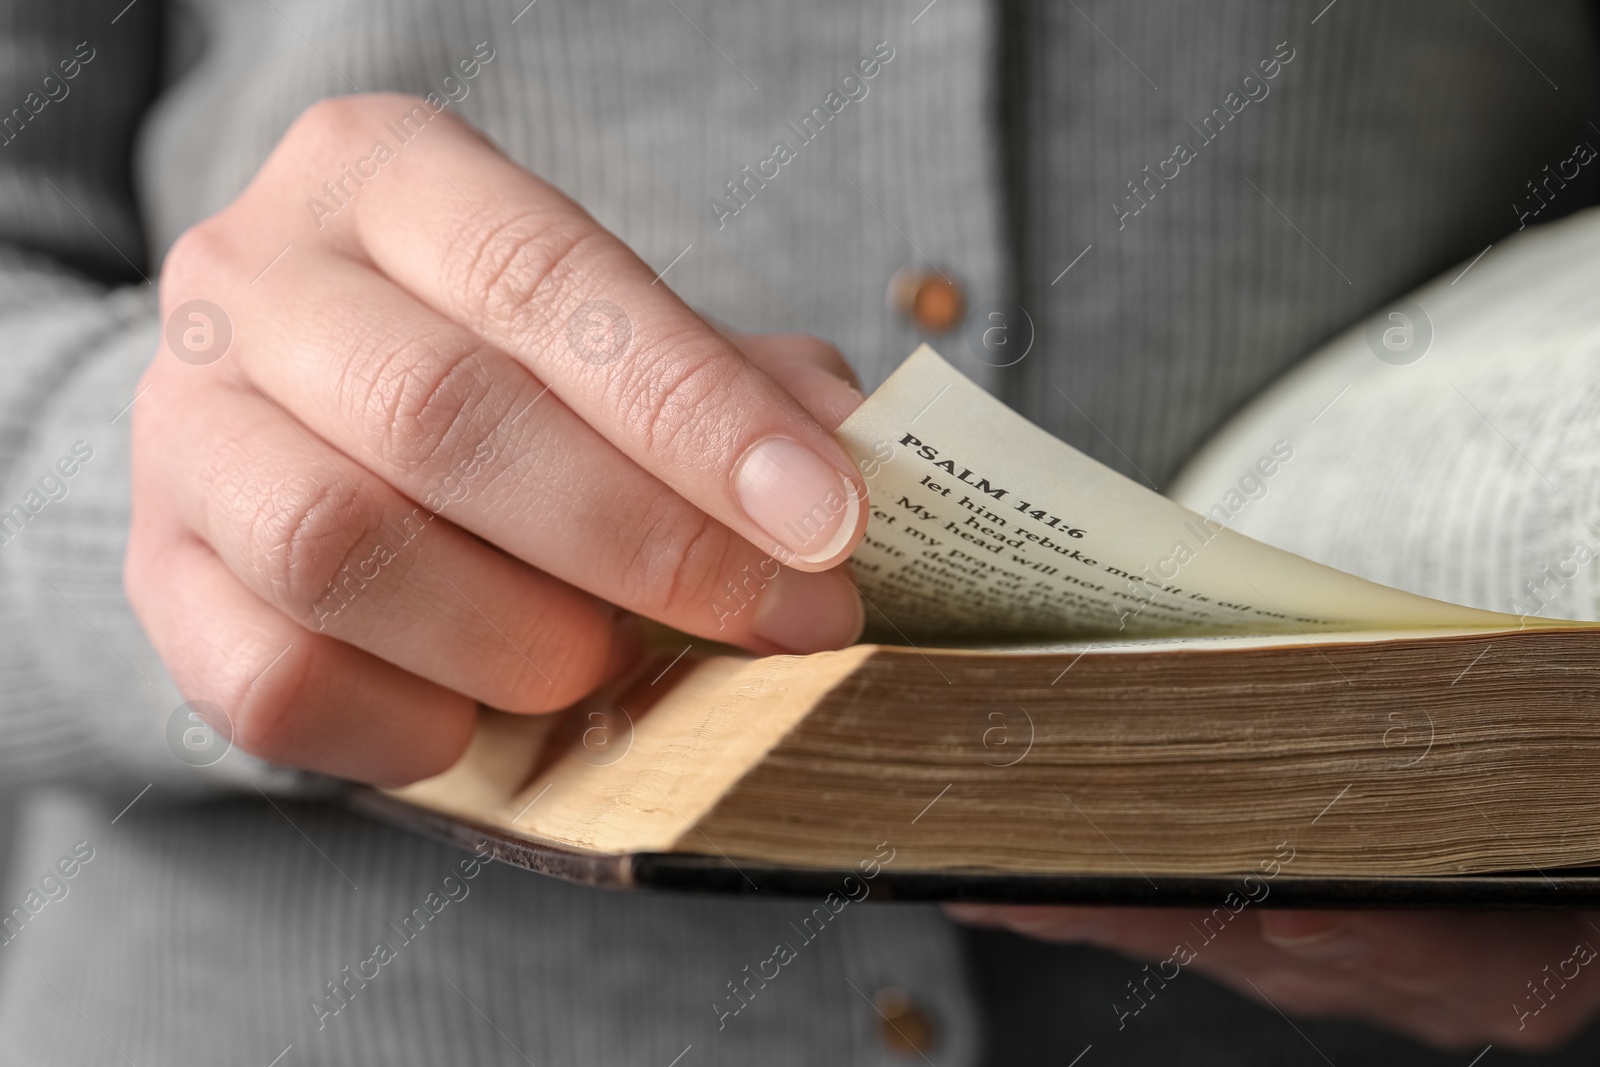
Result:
pixel 1451 444
pixel 984 524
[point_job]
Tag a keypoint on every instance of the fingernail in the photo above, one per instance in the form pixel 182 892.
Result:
pixel 803 612
pixel 1324 938
pixel 799 499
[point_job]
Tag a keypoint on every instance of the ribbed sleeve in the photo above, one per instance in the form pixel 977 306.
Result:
pixel 83 699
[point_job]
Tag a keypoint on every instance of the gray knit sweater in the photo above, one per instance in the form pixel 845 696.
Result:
pixel 1176 224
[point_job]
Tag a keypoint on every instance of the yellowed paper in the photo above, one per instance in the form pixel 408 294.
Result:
pixel 983 524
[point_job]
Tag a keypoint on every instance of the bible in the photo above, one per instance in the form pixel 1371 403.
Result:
pixel 1078 690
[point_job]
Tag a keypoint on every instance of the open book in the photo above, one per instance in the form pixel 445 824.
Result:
pixel 1084 690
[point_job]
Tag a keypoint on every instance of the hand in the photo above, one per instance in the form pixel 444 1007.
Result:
pixel 460 432
pixel 1457 980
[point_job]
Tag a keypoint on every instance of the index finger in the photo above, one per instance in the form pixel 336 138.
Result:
pixel 506 255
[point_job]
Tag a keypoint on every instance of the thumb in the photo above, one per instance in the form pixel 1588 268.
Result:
pixel 811 369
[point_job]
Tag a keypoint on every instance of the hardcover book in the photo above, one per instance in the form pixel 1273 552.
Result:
pixel 1076 689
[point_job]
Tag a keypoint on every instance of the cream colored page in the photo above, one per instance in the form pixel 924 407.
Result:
pixel 984 524
pixel 1468 469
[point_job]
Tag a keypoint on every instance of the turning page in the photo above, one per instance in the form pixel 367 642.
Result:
pixel 984 525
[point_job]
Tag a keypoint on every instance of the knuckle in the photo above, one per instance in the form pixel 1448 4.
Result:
pixel 513 275
pixel 199 256
pixel 265 722
pixel 680 562
pixel 551 662
pixel 675 384
pixel 424 401
pixel 329 128
pixel 303 533
pixel 561 679
pixel 337 120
